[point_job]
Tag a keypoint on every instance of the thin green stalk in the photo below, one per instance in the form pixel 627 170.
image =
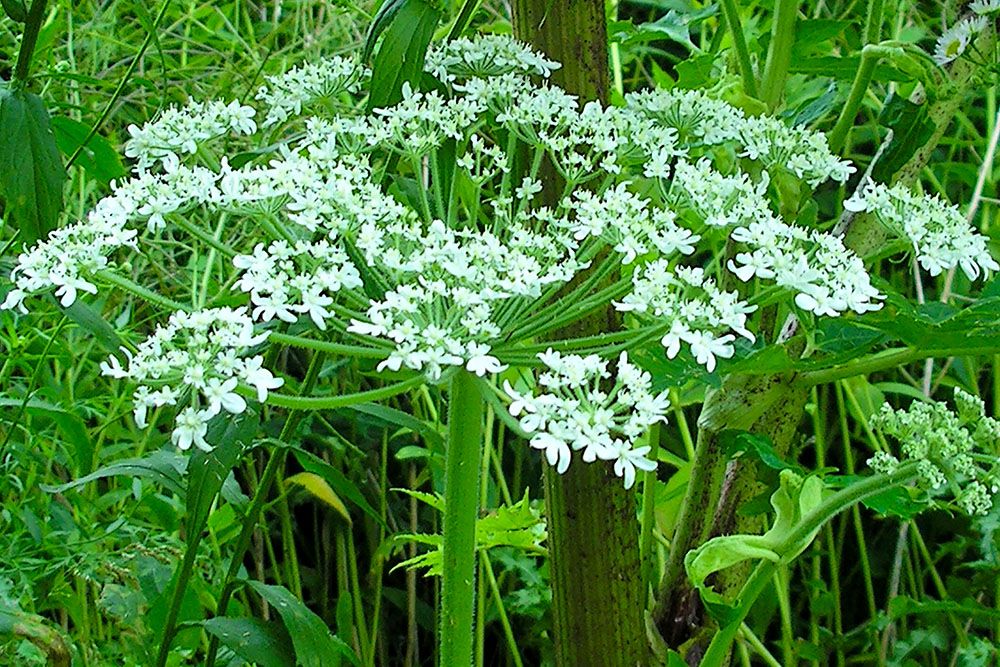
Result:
pixel 873 21
pixel 461 509
pixel 32 25
pixel 647 556
pixel 718 649
pixel 508 632
pixel 870 56
pixel 779 53
pixel 343 400
pixel 731 16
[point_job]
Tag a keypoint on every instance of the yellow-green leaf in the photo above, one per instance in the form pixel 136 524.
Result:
pixel 319 489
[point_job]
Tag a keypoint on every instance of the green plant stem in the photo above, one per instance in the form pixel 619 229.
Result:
pixel 461 510
pixel 870 56
pixel 731 16
pixel 779 53
pixel 344 400
pixel 106 111
pixel 33 24
pixel 508 632
pixel 763 574
pixel 647 555
pixel 873 21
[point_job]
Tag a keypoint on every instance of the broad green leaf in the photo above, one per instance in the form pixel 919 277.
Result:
pixel 383 17
pixel 165 467
pixel 90 320
pixel 343 487
pixel 38 631
pixel 900 502
pixel 400 58
pixel 911 128
pixel 320 490
pixel 31 171
pixel 15 10
pixel 400 419
pixel 256 641
pixel 208 470
pixel 98 158
pixel 314 645
pixel 760 448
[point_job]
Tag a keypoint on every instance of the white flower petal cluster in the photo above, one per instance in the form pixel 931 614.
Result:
pixel 180 130
pixel 287 94
pixel 198 360
pixel 829 279
pixel 485 56
pixel 455 289
pixel 955 40
pixel 286 281
pixel 67 260
pixel 575 411
pixel 695 312
pixel 940 235
pixel 946 444
pixel 718 200
pixel 422 122
pixel 985 7
pixel 702 120
pixel 628 224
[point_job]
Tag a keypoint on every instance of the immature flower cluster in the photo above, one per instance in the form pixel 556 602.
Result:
pixel 287 94
pixel 573 410
pixel 952 447
pixel 485 56
pixel 691 308
pixel 181 130
pixel 940 235
pixel 197 359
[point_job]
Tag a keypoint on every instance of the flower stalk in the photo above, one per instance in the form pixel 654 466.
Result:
pixel 461 509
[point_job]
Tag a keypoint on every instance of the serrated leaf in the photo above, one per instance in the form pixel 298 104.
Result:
pixel 319 489
pixel 760 448
pixel 400 58
pixel 256 641
pixel 314 645
pixel 31 171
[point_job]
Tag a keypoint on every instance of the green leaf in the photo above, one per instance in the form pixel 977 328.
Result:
pixel 911 128
pixel 165 467
pixel 15 10
pixel 343 487
pixel 31 171
pixel 760 448
pixel 90 320
pixel 314 645
pixel 400 57
pixel 256 641
pixel 98 158
pixel 208 470
pixel 900 502
pixel 400 419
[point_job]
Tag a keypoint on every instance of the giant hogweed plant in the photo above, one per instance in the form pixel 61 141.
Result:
pixel 415 243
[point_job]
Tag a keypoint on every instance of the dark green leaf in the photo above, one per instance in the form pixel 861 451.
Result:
pixel 759 448
pixel 314 645
pixel 900 502
pixel 98 158
pixel 208 470
pixel 31 171
pixel 165 467
pixel 400 57
pixel 15 10
pixel 911 128
pixel 90 320
pixel 256 641
pixel 400 419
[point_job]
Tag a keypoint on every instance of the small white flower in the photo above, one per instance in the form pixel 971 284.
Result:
pixel 260 378
pixel 190 429
pixel 953 42
pixel 222 395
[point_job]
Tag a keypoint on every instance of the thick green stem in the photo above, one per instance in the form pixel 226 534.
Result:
pixel 779 53
pixel 461 509
pixel 597 592
pixel 32 26
pixel 731 16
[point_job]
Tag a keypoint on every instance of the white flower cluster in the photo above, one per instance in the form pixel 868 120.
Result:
pixel 180 130
pixel 955 40
pixel 286 280
pixel 485 56
pixel 197 358
pixel 701 120
pixel 455 290
pixel 693 310
pixel 421 122
pixel 575 411
pixel 985 7
pixel 829 279
pixel 287 94
pixel 946 444
pixel 940 235
pixel 628 224
pixel 718 200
